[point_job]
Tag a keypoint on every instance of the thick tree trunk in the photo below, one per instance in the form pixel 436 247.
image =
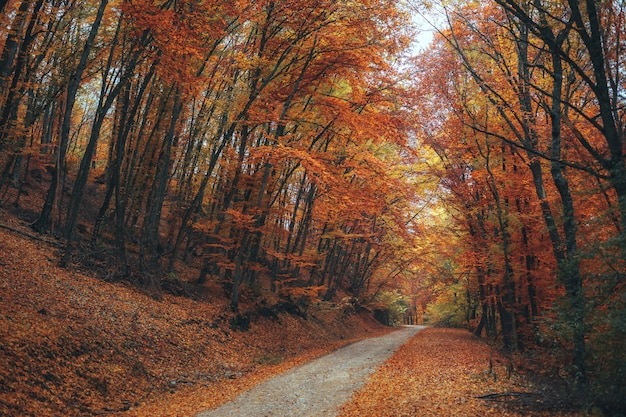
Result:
pixel 12 42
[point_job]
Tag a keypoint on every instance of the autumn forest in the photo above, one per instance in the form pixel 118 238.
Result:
pixel 310 150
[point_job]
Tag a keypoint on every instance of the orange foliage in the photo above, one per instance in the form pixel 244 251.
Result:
pixel 443 372
pixel 75 345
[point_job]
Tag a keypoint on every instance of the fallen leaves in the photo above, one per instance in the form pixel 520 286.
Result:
pixel 73 345
pixel 443 372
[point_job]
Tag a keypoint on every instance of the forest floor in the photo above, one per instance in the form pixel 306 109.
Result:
pixel 75 345
pixel 320 387
pixel 449 372
pixel 438 372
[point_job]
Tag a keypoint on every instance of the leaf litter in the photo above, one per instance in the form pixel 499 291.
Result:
pixel 449 372
pixel 74 345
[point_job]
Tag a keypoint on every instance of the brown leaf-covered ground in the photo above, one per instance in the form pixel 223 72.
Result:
pixel 447 372
pixel 74 345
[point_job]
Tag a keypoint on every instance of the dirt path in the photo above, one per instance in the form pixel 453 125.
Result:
pixel 319 387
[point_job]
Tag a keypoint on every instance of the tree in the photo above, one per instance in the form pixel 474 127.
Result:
pixel 267 135
pixel 43 222
pixel 520 80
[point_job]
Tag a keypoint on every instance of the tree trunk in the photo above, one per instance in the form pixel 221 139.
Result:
pixel 149 250
pixel 42 224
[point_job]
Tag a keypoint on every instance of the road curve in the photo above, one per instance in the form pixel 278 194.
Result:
pixel 317 388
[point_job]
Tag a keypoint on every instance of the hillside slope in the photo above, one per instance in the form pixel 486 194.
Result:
pixel 74 345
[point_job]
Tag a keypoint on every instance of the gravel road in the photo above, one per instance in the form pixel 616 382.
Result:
pixel 319 387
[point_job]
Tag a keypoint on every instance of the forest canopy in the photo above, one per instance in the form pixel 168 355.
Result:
pixel 249 137
pixel 305 149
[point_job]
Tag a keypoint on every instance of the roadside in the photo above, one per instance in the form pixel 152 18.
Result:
pixel 320 387
pixel 74 345
pixel 449 372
